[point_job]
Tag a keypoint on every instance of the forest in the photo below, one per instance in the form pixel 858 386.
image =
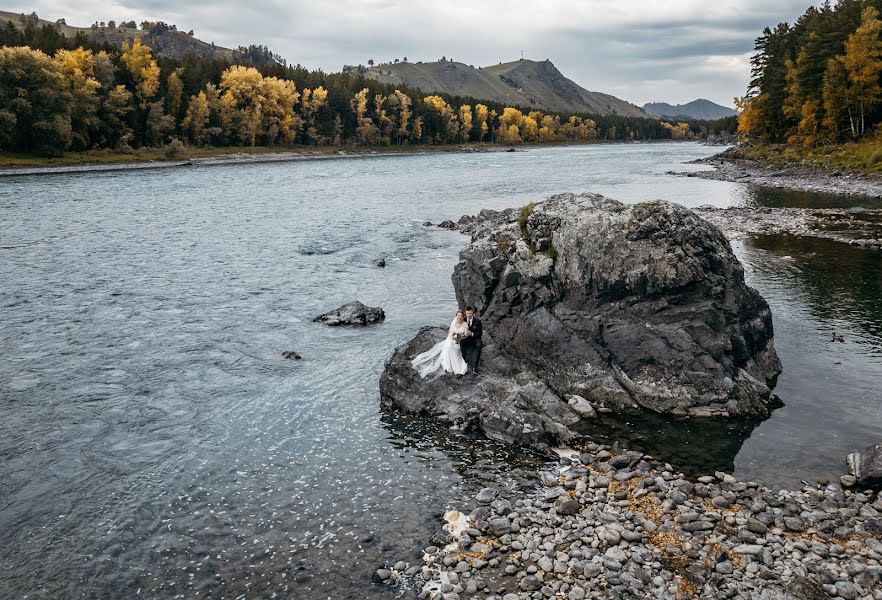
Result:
pixel 62 94
pixel 817 82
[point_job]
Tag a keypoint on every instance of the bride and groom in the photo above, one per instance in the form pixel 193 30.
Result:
pixel 459 352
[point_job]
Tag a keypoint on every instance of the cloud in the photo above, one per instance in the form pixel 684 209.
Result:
pixel 671 50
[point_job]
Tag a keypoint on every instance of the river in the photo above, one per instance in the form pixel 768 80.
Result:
pixel 155 442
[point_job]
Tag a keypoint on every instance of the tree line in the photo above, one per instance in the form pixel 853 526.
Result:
pixel 817 81
pixel 59 94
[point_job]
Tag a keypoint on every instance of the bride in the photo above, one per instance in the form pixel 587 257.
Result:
pixel 447 353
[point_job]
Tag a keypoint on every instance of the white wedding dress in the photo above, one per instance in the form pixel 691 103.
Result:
pixel 446 354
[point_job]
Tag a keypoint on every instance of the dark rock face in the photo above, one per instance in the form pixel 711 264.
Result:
pixel 507 402
pixel 603 305
pixel 866 466
pixel 352 313
pixel 631 307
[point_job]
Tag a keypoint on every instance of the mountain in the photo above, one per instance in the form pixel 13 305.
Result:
pixel 697 109
pixel 525 83
pixel 162 38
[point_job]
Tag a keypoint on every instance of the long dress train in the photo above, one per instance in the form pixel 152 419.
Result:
pixel 446 355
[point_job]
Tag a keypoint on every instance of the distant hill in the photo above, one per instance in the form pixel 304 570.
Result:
pixel 526 83
pixel 160 37
pixel 697 109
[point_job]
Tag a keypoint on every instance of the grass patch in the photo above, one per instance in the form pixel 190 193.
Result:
pixel 524 218
pixel 863 158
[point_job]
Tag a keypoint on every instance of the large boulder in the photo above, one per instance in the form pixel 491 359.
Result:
pixel 507 402
pixel 631 307
pixel 589 301
pixel 352 313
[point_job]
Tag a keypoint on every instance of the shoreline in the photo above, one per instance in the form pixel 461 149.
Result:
pixel 606 522
pixel 105 161
pixel 238 157
pixel 730 166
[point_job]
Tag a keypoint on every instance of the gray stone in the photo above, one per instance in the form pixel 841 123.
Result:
pixel 568 507
pixel 794 524
pixel 381 575
pixel 486 495
pixel 866 466
pixel 352 313
pixel 530 583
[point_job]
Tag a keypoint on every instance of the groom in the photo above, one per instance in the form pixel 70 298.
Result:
pixel 472 345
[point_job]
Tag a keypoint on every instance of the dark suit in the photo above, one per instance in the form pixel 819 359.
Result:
pixel 472 345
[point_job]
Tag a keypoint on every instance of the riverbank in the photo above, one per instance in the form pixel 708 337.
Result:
pixel 781 168
pixel 608 523
pixel 154 158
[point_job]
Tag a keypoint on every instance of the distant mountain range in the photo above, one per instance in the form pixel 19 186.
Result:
pixel 697 109
pixel 525 83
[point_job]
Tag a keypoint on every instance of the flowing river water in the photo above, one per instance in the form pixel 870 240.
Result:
pixel 155 443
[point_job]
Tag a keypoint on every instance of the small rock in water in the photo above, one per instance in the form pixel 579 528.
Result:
pixel 290 354
pixel 381 575
pixel 352 313
pixel 381 263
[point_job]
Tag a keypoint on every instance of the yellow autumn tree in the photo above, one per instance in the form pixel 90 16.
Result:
pixel 279 121
pixel 465 122
pixel 750 113
pixel 529 128
pixel 863 63
pixel 196 119
pixel 404 108
pixel 418 130
pixel 481 116
pixel 174 93
pixel 384 121
pixel 310 103
pixel 138 60
pixel 365 131
pixel 510 125
pixel 447 114
pixel 77 69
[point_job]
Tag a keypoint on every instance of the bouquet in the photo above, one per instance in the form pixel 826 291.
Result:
pixel 458 337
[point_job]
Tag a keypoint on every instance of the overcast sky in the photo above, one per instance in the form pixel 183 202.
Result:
pixel 640 50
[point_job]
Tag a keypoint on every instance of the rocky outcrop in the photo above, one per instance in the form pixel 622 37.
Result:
pixel 631 307
pixel 866 466
pixel 507 402
pixel 597 304
pixel 352 313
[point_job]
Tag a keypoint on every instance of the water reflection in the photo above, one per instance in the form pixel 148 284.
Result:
pixel 694 446
pixel 782 198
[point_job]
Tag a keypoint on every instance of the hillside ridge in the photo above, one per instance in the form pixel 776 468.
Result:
pixel 526 83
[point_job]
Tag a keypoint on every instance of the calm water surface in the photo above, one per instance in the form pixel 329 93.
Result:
pixel 155 443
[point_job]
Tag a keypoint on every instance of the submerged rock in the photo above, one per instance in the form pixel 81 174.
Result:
pixel 589 304
pixel 352 313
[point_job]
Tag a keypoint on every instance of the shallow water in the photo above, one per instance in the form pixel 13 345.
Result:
pixel 154 440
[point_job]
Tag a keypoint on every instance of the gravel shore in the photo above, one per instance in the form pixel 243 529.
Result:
pixel 232 159
pixel 607 523
pixel 796 177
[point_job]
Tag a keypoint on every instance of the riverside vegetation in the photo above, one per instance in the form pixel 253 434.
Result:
pixel 75 94
pixel 815 97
